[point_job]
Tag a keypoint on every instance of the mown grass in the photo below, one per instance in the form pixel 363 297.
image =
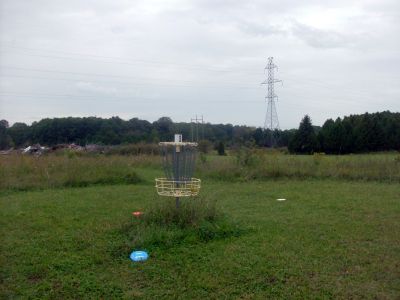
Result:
pixel 329 240
pixel 19 172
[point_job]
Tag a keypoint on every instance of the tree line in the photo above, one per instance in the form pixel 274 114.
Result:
pixel 115 131
pixel 352 134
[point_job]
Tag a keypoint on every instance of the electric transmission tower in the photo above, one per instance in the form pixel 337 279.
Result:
pixel 271 118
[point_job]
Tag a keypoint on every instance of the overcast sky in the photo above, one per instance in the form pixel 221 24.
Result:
pixel 149 59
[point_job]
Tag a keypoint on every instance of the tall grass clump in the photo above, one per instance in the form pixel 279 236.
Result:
pixel 163 225
pixel 191 212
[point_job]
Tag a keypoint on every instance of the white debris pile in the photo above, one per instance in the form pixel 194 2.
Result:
pixel 35 150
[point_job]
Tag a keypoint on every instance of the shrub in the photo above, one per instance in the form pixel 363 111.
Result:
pixel 247 157
pixel 203 158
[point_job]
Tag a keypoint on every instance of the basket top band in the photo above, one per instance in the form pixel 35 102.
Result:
pixel 178 144
pixel 179 181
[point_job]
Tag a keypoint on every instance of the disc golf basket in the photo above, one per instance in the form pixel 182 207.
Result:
pixel 178 160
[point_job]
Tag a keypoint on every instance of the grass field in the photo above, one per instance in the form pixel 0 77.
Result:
pixel 331 238
pixel 20 172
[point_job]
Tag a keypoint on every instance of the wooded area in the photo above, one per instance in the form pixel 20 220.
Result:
pixel 352 134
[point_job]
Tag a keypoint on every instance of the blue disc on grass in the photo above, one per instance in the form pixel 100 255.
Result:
pixel 139 255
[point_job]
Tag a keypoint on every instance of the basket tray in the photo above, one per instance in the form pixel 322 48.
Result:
pixel 173 188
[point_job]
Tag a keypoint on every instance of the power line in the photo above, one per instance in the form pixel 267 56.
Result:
pixel 70 96
pixel 195 128
pixel 124 83
pixel 99 75
pixel 230 100
pixel 299 89
pixel 118 59
pixel 306 86
pixel 46 95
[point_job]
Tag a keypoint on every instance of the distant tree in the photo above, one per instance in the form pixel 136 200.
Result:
pixel 294 142
pixel 164 127
pixel 259 137
pixel 361 133
pixel 154 138
pixel 19 133
pixel 369 133
pixel 185 130
pixel 221 148
pixel 354 133
pixel 5 139
pixel 4 124
pixel 347 136
pixel 392 131
pixel 222 132
pixel 135 130
pixel 243 135
pixel 284 137
pixel 269 138
pixel 304 140
pixel 327 138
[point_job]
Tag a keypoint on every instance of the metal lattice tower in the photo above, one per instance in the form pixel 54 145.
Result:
pixel 271 118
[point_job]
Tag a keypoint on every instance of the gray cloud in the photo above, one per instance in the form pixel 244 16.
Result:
pixel 179 58
pixel 322 38
pixel 258 29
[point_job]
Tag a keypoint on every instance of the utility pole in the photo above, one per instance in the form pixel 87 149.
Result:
pixel 195 128
pixel 271 118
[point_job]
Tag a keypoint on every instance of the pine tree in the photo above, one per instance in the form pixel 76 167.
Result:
pixel 305 140
pixel 221 148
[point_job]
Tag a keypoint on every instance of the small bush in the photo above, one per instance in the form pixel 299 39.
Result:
pixel 247 157
pixel 317 158
pixel 203 158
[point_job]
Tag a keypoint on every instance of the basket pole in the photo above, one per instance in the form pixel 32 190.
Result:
pixel 177 175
